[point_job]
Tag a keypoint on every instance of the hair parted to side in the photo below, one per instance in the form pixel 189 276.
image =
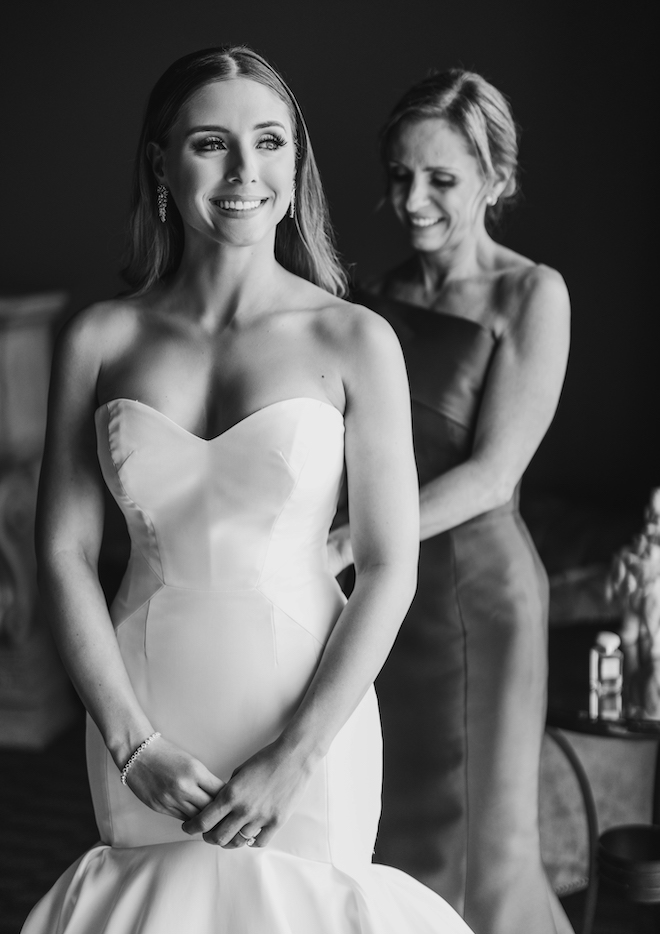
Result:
pixel 304 245
pixel 475 108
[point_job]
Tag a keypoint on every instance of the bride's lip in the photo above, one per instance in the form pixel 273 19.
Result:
pixel 239 205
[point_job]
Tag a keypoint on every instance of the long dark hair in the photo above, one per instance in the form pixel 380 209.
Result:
pixel 303 245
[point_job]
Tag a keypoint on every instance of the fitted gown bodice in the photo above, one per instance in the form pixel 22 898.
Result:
pixel 228 565
pixel 462 694
pixel 221 619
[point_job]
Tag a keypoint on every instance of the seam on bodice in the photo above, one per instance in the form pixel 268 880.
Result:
pixel 286 502
pixel 117 466
pixel 140 606
pixel 295 621
pixel 209 590
pixel 144 532
pixel 273 635
pixel 148 521
pixel 290 468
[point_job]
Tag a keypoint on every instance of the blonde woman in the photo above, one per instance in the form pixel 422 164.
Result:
pixel 485 334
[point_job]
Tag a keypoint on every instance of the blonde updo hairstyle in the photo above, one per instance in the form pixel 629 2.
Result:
pixel 477 110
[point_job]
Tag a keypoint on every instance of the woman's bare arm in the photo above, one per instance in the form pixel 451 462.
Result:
pixel 519 402
pixel 520 399
pixel 383 493
pixel 69 529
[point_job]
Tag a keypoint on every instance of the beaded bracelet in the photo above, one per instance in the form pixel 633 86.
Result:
pixel 131 760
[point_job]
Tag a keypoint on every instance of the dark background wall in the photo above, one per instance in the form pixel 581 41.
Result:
pixel 74 77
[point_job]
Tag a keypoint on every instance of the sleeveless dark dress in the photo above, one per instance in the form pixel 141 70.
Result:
pixel 463 693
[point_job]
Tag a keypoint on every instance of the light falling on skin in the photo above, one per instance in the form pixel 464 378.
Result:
pixel 230 157
pixel 436 186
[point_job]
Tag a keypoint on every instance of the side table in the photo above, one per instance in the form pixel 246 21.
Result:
pixel 568 703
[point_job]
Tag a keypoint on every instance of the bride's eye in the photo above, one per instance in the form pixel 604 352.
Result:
pixel 209 144
pixel 271 141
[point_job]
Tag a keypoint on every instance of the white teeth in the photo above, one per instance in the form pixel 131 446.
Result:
pixel 424 221
pixel 239 205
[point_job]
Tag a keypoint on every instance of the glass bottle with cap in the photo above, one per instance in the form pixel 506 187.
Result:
pixel 606 678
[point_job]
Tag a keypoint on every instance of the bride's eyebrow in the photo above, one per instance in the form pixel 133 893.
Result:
pixel 264 126
pixel 214 128
pixel 207 129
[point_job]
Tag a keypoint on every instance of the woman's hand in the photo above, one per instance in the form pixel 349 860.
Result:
pixel 257 800
pixel 170 781
pixel 340 550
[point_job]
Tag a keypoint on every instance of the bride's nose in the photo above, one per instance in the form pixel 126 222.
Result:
pixel 241 165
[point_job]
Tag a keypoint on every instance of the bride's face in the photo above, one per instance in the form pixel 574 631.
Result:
pixel 230 161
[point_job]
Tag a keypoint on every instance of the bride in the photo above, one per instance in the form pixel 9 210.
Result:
pixel 233 734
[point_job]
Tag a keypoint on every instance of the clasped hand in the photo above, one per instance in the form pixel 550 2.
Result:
pixel 171 781
pixel 257 800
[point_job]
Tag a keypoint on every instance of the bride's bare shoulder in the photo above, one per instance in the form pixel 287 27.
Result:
pixel 353 335
pixel 357 332
pixel 101 328
pixel 365 353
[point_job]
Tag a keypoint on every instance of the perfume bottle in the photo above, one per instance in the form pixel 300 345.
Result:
pixel 606 678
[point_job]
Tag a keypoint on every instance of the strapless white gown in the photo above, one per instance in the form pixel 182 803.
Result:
pixel 221 619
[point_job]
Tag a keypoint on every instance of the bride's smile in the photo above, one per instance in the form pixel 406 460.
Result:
pixel 234 745
pixel 230 157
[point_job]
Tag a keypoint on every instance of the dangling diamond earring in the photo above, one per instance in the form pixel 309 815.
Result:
pixel 292 205
pixel 161 195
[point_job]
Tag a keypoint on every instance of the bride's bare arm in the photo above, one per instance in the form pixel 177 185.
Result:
pixel 383 502
pixel 519 402
pixel 383 492
pixel 69 529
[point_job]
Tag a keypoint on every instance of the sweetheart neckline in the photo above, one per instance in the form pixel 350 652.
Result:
pixel 241 421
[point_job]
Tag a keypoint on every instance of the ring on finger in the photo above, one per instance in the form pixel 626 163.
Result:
pixel 249 840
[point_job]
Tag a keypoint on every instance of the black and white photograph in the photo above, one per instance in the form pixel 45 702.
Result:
pixel 329 471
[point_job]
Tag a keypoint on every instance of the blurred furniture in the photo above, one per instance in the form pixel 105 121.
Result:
pixel 592 824
pixel 610 783
pixel 629 861
pixel 568 702
pixel 36 699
